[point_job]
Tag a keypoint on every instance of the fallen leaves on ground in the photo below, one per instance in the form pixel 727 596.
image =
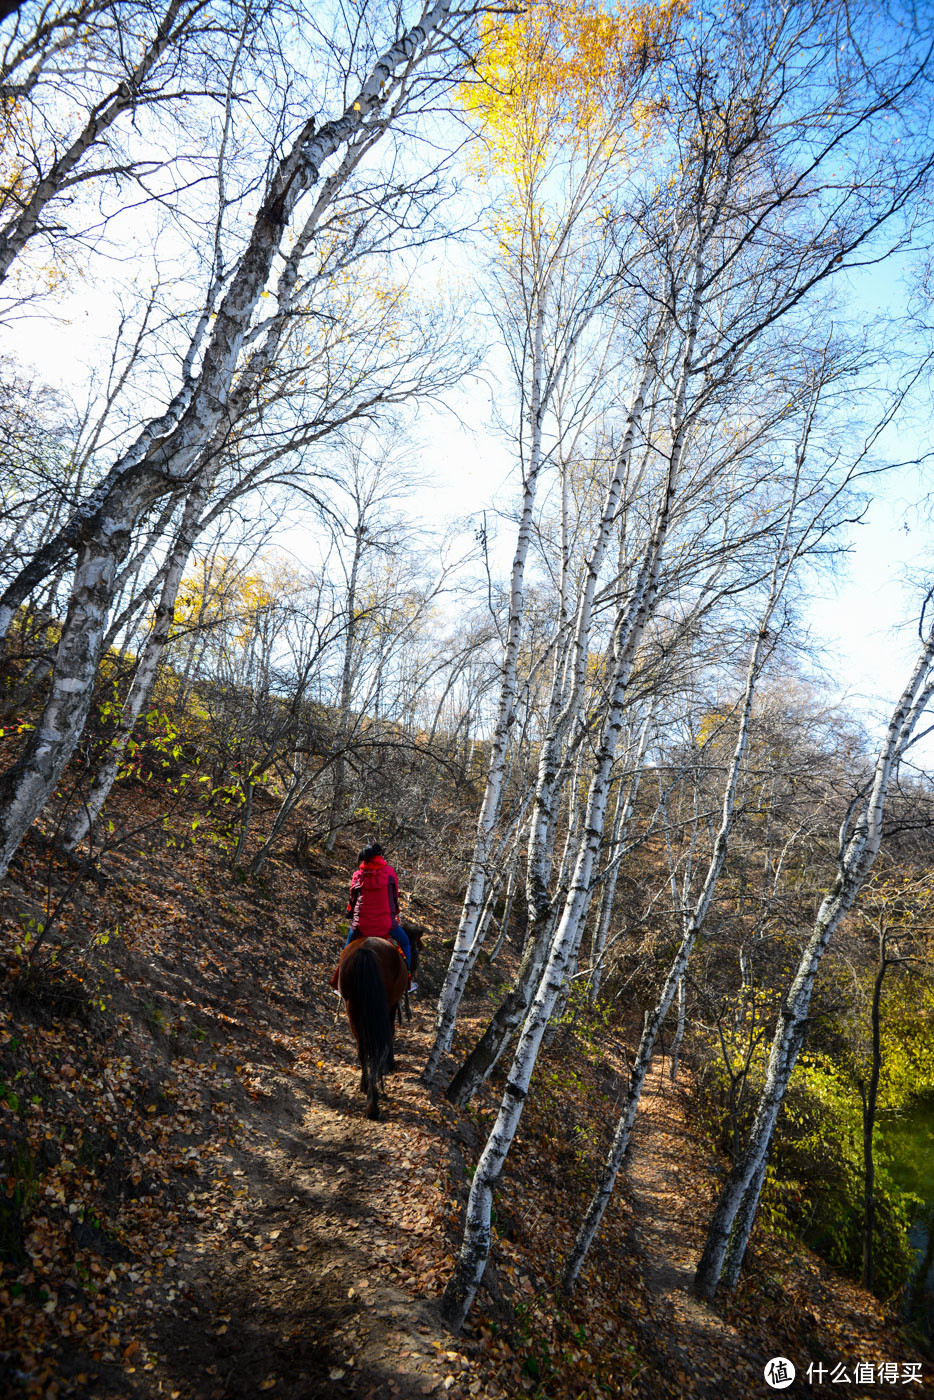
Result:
pixel 195 1206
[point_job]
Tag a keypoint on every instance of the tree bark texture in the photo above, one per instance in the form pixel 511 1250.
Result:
pixel 858 851
pixel 101 530
pixel 459 966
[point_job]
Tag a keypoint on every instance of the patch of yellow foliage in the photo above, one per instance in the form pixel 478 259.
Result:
pixel 564 71
pixel 218 592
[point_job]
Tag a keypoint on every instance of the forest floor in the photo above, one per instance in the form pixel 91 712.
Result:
pixel 195 1206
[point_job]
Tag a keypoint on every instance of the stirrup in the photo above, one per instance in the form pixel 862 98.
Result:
pixel 413 987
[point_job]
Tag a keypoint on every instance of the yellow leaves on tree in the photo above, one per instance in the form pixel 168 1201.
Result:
pixel 710 726
pixel 562 74
pixel 218 592
pixel 15 185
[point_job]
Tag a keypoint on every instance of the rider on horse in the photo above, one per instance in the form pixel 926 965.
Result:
pixel 374 902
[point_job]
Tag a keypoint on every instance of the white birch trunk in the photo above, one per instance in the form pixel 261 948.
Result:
pixel 486 1053
pixel 507 911
pixel 475 1247
pixel 144 676
pixel 346 692
pixel 459 967
pixel 25 788
pixel 679 1028
pixel 624 806
pixel 101 529
pixel 857 854
pixel 654 1019
pixel 561 719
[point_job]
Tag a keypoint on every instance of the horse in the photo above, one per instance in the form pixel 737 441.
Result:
pixel 372 977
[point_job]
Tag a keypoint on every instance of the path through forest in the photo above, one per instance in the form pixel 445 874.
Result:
pixel 298 1302
pixel 244 1230
pixel 666 1176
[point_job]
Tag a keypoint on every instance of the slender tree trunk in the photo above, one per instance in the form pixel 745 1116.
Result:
pixel 869 1122
pixel 346 692
pixel 679 1029
pixel 145 674
pixel 458 969
pixel 675 979
pixel 485 1055
pixel 299 785
pixel 25 788
pixel 508 1016
pixel 627 797
pixel 507 911
pixel 857 853
pixel 244 824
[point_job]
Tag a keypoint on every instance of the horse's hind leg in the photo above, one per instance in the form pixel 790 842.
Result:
pixel 372 1098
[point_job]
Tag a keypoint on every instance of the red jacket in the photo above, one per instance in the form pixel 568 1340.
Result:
pixel 374 898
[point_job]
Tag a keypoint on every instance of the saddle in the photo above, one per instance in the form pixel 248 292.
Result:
pixel 389 939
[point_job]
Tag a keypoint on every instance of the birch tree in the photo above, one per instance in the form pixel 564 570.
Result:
pixel 692 917
pixel 168 449
pixel 626 797
pixel 475 1247
pixel 557 275
pixel 859 840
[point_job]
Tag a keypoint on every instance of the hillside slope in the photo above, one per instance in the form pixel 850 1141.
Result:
pixel 195 1205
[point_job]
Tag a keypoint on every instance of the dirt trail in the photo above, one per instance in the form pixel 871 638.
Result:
pixel 672 1185
pixel 215 1218
pixel 666 1179
pixel 296 1302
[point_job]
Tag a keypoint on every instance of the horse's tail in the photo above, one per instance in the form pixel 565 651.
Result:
pixel 371 1013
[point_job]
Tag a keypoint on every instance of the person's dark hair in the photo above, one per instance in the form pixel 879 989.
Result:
pixel 370 852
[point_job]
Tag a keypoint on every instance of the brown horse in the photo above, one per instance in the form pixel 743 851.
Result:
pixel 372 977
